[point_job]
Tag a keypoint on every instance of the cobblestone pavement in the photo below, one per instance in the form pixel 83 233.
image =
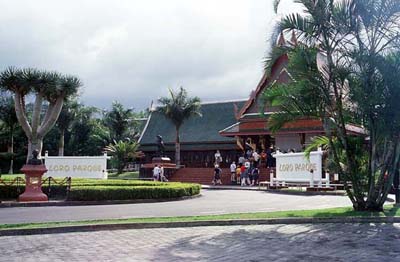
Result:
pixel 321 242
pixel 211 202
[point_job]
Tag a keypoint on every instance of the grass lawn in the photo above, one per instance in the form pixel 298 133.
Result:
pixel 125 175
pixel 389 211
pixel 10 177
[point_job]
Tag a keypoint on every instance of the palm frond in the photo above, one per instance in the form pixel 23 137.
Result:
pixel 316 142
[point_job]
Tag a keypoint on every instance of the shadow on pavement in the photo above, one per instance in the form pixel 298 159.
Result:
pixel 330 242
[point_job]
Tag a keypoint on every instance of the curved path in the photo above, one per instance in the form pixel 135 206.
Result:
pixel 211 202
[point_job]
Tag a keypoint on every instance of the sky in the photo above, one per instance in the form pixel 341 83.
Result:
pixel 132 51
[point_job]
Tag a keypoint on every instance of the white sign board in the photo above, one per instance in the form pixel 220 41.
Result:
pixel 77 166
pixel 295 167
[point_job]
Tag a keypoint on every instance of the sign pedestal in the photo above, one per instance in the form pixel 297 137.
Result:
pixel 33 187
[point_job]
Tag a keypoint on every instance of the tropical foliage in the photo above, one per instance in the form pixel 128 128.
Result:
pixel 123 152
pixel 8 126
pixel 50 87
pixel 120 122
pixel 179 107
pixel 342 72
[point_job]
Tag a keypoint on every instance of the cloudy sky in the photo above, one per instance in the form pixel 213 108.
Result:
pixel 133 50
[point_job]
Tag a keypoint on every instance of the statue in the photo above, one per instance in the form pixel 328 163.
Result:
pixel 160 146
pixel 34 160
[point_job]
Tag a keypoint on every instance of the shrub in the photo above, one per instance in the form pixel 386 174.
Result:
pixel 90 193
pixel 96 190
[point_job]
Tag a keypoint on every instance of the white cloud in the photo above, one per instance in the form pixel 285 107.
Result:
pixel 132 51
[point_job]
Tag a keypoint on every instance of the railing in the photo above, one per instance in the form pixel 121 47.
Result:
pixel 66 181
pixel 20 182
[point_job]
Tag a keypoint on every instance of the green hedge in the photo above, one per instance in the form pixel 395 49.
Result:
pixel 91 189
pixel 11 192
pixel 90 193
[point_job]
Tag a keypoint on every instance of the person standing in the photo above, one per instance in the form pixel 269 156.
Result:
pixel 263 157
pixel 256 158
pixel 163 178
pixel 241 160
pixel 255 176
pixel 156 173
pixel 247 166
pixel 233 173
pixel 238 172
pixel 269 157
pixel 218 158
pixel 243 175
pixel 217 175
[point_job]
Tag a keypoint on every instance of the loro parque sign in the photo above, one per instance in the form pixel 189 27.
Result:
pixel 295 167
pixel 77 166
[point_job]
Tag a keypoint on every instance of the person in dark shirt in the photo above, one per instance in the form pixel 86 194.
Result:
pixel 217 175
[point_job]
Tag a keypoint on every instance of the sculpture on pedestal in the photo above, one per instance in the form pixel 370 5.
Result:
pixel 160 146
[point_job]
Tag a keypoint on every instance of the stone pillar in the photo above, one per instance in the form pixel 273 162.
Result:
pixel 33 187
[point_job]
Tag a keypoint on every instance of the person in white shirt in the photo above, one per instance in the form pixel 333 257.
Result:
pixel 233 173
pixel 256 158
pixel 218 158
pixel 163 178
pixel 156 173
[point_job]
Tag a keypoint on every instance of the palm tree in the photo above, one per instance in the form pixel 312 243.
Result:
pixel 179 107
pixel 65 120
pixel 50 87
pixel 9 122
pixel 355 45
pixel 122 152
pixel 119 121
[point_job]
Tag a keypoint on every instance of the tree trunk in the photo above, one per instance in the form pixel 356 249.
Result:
pixel 61 144
pixel 11 151
pixel 34 143
pixel 177 149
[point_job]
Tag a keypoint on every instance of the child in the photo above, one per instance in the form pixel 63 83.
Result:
pixel 243 175
pixel 238 171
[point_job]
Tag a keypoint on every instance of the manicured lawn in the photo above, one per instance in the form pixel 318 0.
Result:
pixel 10 177
pixel 389 211
pixel 126 175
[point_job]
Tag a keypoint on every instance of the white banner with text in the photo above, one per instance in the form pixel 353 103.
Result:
pixel 77 166
pixel 295 167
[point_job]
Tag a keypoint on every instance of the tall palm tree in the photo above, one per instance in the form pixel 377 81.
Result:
pixel 179 107
pixel 9 121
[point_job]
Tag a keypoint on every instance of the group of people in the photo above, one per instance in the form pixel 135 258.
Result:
pixel 158 174
pixel 244 174
pixel 246 171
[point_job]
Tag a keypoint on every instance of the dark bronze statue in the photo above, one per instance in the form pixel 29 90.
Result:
pixel 34 160
pixel 160 146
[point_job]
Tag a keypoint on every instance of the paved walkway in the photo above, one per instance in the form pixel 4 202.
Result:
pixel 211 202
pixel 323 242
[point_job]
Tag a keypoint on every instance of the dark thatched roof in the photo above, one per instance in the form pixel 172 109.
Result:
pixel 196 130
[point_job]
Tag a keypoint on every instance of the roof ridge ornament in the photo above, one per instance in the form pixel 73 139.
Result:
pixel 293 40
pixel 281 40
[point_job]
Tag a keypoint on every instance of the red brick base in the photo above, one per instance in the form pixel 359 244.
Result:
pixel 205 176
